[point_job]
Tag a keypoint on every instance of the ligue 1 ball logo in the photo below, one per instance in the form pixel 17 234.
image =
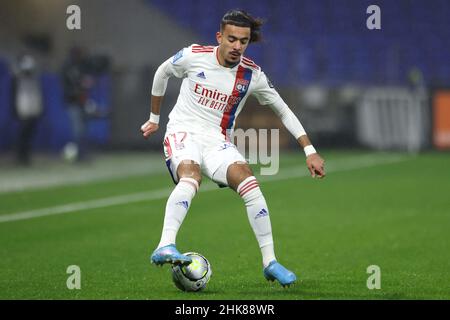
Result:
pixel 241 85
pixel 193 277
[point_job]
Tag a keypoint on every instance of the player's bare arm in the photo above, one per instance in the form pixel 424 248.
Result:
pixel 314 161
pixel 151 125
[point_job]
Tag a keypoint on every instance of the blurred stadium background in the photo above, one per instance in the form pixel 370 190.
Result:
pixel 368 91
pixel 382 89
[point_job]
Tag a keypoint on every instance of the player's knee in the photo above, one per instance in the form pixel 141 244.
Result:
pixel 237 173
pixel 190 170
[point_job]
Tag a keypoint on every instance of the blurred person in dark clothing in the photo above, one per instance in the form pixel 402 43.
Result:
pixel 28 105
pixel 77 81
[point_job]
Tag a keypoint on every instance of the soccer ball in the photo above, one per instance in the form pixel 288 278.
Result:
pixel 193 277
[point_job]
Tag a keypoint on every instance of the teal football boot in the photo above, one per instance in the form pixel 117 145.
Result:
pixel 169 254
pixel 275 271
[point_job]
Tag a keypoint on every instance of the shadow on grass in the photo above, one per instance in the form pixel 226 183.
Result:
pixel 303 290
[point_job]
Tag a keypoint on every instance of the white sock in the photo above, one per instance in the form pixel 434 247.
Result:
pixel 176 209
pixel 258 215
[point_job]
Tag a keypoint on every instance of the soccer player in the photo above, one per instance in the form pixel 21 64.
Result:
pixel 217 80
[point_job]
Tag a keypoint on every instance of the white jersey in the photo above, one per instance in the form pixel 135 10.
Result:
pixel 212 96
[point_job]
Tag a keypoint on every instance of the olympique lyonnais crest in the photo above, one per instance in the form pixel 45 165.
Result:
pixel 241 85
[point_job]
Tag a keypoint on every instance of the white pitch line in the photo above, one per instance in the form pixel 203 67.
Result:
pixel 90 204
pixel 294 172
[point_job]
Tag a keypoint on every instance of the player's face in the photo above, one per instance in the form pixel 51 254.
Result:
pixel 233 41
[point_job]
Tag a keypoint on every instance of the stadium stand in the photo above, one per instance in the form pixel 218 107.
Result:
pixel 328 42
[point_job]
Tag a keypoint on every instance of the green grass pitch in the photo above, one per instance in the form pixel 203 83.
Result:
pixel 367 211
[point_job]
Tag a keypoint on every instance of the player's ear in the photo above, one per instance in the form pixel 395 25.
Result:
pixel 219 37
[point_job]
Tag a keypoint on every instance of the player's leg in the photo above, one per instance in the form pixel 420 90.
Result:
pixel 241 179
pixel 226 166
pixel 189 179
pixel 184 162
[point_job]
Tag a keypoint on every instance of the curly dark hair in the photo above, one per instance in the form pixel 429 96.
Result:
pixel 241 18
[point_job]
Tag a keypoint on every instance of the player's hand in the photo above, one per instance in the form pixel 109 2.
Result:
pixel 149 128
pixel 315 165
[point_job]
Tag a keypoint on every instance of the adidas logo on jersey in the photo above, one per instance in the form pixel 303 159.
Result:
pixel 201 75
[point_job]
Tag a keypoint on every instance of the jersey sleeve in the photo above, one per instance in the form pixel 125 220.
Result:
pixel 175 66
pixel 264 91
pixel 266 94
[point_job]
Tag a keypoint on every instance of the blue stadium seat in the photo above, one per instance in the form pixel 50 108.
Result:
pixel 7 124
pixel 358 55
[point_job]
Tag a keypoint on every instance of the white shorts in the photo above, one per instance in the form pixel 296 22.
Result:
pixel 213 156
